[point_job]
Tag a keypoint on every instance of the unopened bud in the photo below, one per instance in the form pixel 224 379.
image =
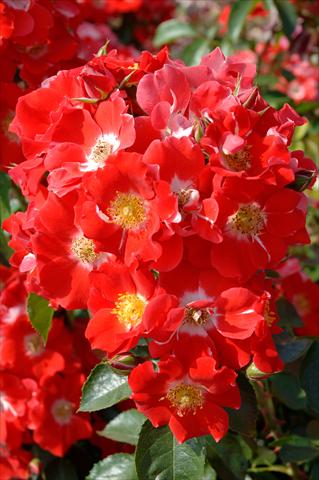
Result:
pixel 35 466
pixel 253 373
pixel 303 180
pixel 198 131
pixel 123 364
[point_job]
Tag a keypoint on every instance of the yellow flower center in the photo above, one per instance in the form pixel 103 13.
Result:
pixel 127 210
pixel 248 220
pixel 195 316
pixel 62 411
pixel 238 161
pixel 186 398
pixel 269 316
pixel 129 309
pixel 101 151
pixel 33 345
pixel 183 197
pixel 84 250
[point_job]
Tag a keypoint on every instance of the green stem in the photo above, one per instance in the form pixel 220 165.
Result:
pixel 267 407
pixel 274 468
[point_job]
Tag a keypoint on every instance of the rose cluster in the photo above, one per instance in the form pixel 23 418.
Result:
pixel 161 198
pixel 40 37
pixel 40 385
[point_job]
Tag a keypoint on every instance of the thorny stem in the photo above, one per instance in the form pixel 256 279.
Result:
pixel 267 409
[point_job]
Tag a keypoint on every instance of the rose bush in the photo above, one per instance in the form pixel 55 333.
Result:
pixel 158 243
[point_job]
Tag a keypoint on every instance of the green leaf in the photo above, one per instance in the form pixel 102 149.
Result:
pixel 267 80
pixel 288 390
pixel 5 250
pixel 268 4
pixel 60 469
pixel 209 473
pixel 303 180
pixel 171 30
pixel 244 420
pixel 287 15
pixel 312 431
pixel 309 377
pixel 314 472
pixel 193 53
pixel 159 456
pixel 288 315
pixel 237 17
pixel 5 184
pixel 103 388
pixel 229 457
pixel 275 99
pixel 290 453
pixel 287 74
pixel 291 348
pixel 301 131
pixel 40 314
pixel 272 274
pixel 265 456
pixel 293 440
pixel 306 107
pixel 125 427
pixel 119 466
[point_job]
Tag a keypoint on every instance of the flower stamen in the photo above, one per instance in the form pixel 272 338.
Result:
pixel 127 210
pixel 84 250
pixel 238 161
pixel 194 316
pixel 269 315
pixel 129 309
pixel 186 398
pixel 249 220
pixel 100 152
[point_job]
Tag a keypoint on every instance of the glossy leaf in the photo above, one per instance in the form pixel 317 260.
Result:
pixel 287 15
pixel 229 457
pixel 244 420
pixel 40 314
pixel 103 388
pixel 5 250
pixel 5 184
pixel 310 377
pixel 171 30
pixel 60 469
pixel 290 453
pixel 288 390
pixel 265 456
pixel 237 17
pixel 193 53
pixel 209 473
pixel 125 427
pixel 295 441
pixel 159 456
pixel 288 315
pixel 119 466
pixel 314 471
pixel 291 348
